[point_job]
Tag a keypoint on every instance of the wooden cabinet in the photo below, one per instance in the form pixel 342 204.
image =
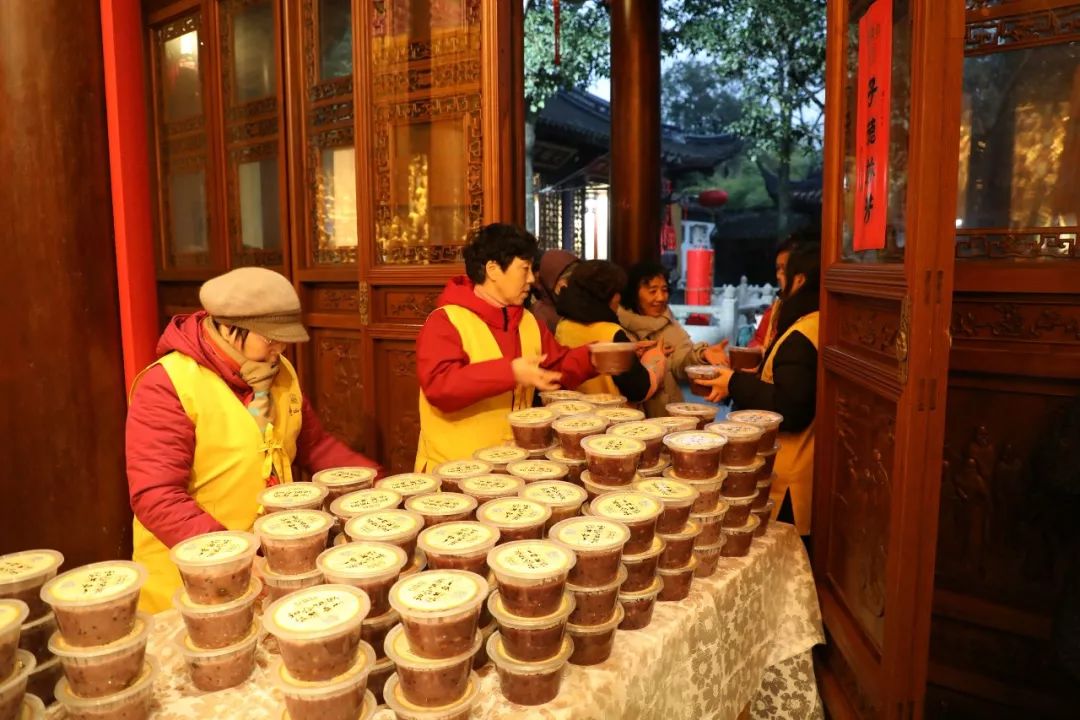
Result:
pixel 350 145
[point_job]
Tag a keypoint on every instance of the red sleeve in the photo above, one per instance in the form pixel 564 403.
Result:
pixel 160 447
pixel 318 450
pixel 574 364
pixel 762 329
pixel 446 378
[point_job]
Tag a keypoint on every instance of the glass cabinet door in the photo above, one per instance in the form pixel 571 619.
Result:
pixel 180 112
pixel 427 158
pixel 254 172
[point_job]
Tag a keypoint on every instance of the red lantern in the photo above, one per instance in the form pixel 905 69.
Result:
pixel 712 198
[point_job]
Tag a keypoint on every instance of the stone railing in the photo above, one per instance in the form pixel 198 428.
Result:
pixel 734 312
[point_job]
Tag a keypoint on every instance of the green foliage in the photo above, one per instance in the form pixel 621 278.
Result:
pixel 585 47
pixel 696 98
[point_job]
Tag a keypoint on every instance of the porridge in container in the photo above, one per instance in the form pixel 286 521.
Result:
pixel 292 540
pixel 95 604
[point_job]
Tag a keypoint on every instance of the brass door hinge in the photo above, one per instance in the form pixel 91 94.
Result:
pixel 902 339
pixel 363 301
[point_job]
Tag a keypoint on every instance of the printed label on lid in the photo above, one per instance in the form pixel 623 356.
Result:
pixel 410 483
pixel 612 445
pixel 502 454
pixel 491 483
pixel 212 547
pixel 364 500
pixel 436 591
pixel 600 398
pixel 317 610
pixel 95 583
pixel 26 564
pixel 666 488
pixel 557 455
pixel 592 534
pixel 536 469
pixel 643 430
pixel 674 422
pixel 532 415
pixel 570 407
pixel 382 524
pixel 579 423
pixel 558 493
pixel 441 503
pixel 692 408
pixel 361 558
pixel 531 558
pixel 735 429
pixel 620 414
pixel 462 468
pixel 458 536
pixel 626 506
pixel 292 524
pixel 694 441
pixel 292 494
pixel 344 475
pixel 513 511
pixel 756 417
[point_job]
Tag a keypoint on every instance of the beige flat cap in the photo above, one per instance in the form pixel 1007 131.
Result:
pixel 256 299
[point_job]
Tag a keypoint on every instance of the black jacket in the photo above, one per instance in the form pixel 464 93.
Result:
pixel 793 392
pixel 575 304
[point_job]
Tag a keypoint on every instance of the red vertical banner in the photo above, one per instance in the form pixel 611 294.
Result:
pixel 871 129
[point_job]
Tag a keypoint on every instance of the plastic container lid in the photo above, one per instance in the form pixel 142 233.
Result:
pixel 652 591
pixel 539 469
pixel 690 530
pixel 688 567
pixel 656 547
pixel 714 516
pixel 771 451
pixel 25 662
pixel 276 580
pixel 501 454
pixel 742 431
pixel 655 470
pixel 589 534
pixel 357 674
pixel 702 372
pixel 695 409
pixel 741 500
pixel 555 493
pixel 513 512
pixel 216 548
pixel 97 706
pixel 751 524
pixel 672 493
pixel 599 489
pixel 612 446
pixel 506 618
pixel 764 418
pixel 753 468
pixel 608 626
pixel 620 414
pixel 13 614
pixel 372 561
pixel 531 417
pixel 293 495
pixel 32 708
pixel 530 560
pixel 674 423
pixel 497 653
pixel 95 583
pixel 359 502
pixel 436 594
pixel 605 399
pixel 626 507
pixel 571 407
pixel 550 396
pixel 398 649
pixel 409 483
pixel 695 441
pixel 24 569
pixel 405 710
pixel 588 422
pixel 317 612
pixel 191 652
pixel 557 455
pixel 441 504
pixel 702 485
pixel 293 524
pixel 639 430
pixel 182 601
pixel 465 538
pixel 385 525
pixel 458 469
pixel 336 477
pixel 620 578
pixel 492 486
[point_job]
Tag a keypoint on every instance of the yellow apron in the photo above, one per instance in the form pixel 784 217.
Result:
pixel 795 461
pixel 574 334
pixel 457 435
pixel 232 460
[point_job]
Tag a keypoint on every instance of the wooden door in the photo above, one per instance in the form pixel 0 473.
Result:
pixel 883 350
pixel 1007 533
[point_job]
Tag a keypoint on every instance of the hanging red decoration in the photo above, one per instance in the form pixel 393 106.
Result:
pixel 712 198
pixel 556 8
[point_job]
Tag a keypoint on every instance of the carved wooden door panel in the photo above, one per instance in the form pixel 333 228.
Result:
pixel 883 347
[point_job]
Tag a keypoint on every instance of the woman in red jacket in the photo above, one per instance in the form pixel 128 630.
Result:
pixel 218 418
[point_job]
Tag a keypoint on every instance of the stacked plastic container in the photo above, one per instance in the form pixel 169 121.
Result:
pixel 768 448
pixel 21 576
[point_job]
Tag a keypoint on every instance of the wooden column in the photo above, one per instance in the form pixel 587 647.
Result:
pixel 63 478
pixel 635 130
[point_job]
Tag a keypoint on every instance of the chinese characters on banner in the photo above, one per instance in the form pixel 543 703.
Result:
pixel 872 126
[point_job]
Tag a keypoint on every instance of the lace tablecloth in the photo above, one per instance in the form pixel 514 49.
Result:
pixel 742 637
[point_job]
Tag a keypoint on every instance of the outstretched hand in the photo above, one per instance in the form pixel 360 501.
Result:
pixel 527 372
pixel 719 385
pixel 717 354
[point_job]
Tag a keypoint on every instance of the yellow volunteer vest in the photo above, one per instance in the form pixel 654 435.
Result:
pixel 574 334
pixel 795 461
pixel 232 460
pixel 456 435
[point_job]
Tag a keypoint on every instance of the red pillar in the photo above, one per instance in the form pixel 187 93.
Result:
pixel 129 167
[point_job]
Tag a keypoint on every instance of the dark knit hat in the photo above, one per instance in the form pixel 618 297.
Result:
pixel 255 299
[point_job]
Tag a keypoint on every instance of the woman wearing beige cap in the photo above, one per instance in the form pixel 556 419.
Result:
pixel 217 418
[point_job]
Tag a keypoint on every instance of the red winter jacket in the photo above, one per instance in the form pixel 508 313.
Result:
pixel 447 379
pixel 160 438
